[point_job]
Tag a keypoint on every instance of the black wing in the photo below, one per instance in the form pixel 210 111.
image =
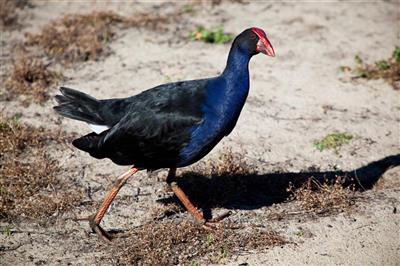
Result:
pixel 154 127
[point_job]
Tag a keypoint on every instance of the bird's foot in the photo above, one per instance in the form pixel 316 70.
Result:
pixel 214 223
pixel 103 235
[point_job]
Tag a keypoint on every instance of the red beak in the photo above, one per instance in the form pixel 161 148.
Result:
pixel 263 44
pixel 265 47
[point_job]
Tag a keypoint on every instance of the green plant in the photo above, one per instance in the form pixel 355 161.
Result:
pixel 396 54
pixel 382 64
pixel 167 78
pixel 388 69
pixel 210 239
pixel 196 263
pixel 223 253
pixel 358 59
pixel 188 8
pixel 6 231
pixel 215 35
pixel 299 233
pixel 333 141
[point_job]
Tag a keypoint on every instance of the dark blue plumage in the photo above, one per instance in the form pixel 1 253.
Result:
pixel 171 125
pixel 224 99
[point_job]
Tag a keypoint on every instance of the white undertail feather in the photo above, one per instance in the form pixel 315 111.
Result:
pixel 98 128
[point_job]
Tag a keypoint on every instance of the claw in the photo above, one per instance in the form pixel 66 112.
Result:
pixel 94 220
pixel 221 217
pixel 214 223
pixel 96 228
pixel 101 233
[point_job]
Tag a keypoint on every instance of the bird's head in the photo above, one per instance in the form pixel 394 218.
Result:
pixel 254 41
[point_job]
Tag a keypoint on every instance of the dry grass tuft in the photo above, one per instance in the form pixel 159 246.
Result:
pixel 17 138
pixel 9 12
pixel 211 183
pixel 214 183
pixel 151 21
pixel 389 69
pixel 71 39
pixel 161 211
pixel 31 77
pixel 29 185
pixel 322 199
pixel 175 242
pixel 187 243
pixel 76 38
pixel 227 163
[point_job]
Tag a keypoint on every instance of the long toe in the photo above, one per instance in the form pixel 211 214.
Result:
pixel 215 223
pixel 102 234
pixel 220 217
pixel 99 231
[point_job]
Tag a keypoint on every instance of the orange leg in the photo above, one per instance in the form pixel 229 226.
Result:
pixel 171 180
pixel 94 220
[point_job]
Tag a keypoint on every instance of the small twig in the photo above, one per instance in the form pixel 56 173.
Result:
pixel 5 249
pixel 293 119
pixel 35 232
pixel 298 212
pixel 358 180
pixel 365 225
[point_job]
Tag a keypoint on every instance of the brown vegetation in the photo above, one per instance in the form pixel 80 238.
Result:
pixel 71 39
pixel 227 163
pixel 183 242
pixel 9 12
pixel 322 199
pixel 389 69
pixel 167 241
pixel 29 183
pixel 32 78
pixel 76 38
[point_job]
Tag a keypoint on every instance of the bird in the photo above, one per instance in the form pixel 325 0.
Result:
pixel 169 126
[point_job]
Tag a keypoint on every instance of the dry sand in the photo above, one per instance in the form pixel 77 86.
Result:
pixel 282 118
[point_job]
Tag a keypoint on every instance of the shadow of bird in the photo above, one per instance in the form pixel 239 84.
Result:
pixel 253 191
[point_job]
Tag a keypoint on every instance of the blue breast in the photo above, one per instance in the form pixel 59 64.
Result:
pixel 225 97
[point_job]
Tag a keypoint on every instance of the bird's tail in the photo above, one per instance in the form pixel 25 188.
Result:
pixel 78 105
pixel 90 144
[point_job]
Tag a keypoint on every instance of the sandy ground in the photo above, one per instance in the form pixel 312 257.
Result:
pixel 282 118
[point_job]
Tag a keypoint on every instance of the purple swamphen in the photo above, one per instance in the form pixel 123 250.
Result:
pixel 172 125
